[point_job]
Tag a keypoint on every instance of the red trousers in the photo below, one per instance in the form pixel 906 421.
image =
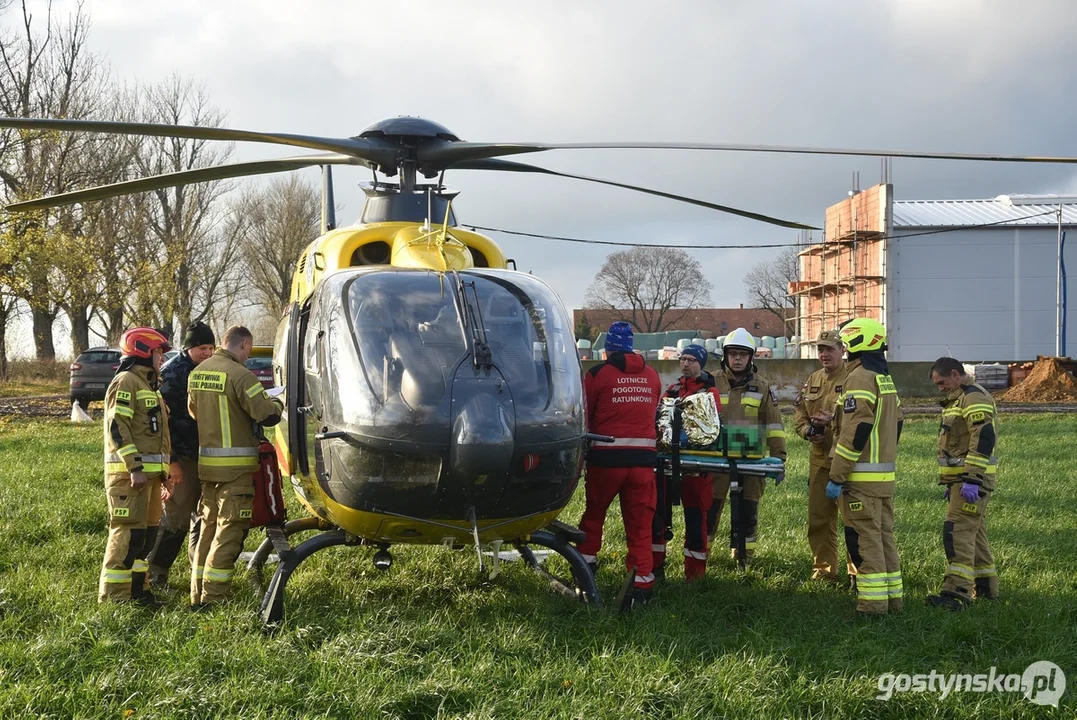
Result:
pixel 696 499
pixel 636 487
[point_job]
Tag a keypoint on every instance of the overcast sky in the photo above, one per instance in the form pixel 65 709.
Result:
pixel 942 75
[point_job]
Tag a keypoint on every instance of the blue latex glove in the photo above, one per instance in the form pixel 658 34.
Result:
pixel 833 490
pixel 778 478
pixel 684 439
pixel 946 495
pixel 970 492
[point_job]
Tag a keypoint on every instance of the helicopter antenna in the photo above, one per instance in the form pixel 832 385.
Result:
pixel 429 210
pixel 329 212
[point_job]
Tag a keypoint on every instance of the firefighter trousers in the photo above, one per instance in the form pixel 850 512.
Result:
pixel 869 537
pixel 132 529
pixel 751 494
pixel 970 564
pixel 225 514
pixel 180 513
pixel 696 497
pixel 636 488
pixel 823 527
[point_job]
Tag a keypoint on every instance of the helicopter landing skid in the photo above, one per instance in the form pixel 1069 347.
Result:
pixel 277 541
pixel 558 537
pixel 272 610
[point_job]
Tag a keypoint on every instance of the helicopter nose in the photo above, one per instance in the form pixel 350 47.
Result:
pixel 482 437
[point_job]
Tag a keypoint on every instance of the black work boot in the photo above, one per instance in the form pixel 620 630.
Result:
pixel 949 600
pixel 636 597
pixel 659 574
pixel 141 595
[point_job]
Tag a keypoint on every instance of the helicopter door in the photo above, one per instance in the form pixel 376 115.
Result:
pixel 296 390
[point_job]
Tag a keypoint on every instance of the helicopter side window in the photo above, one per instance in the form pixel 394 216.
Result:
pixel 373 329
pixel 409 335
pixel 513 342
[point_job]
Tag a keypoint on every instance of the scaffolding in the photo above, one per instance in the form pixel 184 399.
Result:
pixel 844 275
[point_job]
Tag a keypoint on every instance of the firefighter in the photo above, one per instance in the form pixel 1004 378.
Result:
pixel 183 488
pixel 137 449
pixel 752 429
pixel 622 397
pixel 813 412
pixel 867 425
pixel 226 401
pixel 967 464
pixel 696 492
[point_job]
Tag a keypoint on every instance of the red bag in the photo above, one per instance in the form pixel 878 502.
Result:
pixel 268 489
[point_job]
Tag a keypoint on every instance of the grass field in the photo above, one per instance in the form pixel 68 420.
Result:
pixel 431 639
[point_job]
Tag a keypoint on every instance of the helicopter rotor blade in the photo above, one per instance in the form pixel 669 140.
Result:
pixel 367 149
pixel 186 177
pixel 453 153
pixel 510 166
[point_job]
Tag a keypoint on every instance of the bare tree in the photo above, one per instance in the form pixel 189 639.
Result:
pixel 281 221
pixel 651 288
pixel 46 71
pixel 195 253
pixel 768 284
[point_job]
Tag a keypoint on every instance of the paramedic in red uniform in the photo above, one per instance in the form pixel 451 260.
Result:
pixel 622 397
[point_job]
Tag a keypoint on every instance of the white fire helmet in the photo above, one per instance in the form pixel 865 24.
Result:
pixel 740 338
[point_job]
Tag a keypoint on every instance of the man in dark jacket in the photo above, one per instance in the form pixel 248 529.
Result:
pixel 183 489
pixel 622 396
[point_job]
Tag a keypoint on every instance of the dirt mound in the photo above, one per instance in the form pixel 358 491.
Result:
pixel 1048 382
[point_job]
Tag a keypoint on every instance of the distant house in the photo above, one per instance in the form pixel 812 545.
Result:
pixel 712 322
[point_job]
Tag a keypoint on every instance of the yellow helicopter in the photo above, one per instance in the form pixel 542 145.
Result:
pixel 433 394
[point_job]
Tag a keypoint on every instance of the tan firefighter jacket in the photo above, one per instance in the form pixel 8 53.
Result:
pixel 751 422
pixel 228 402
pixel 968 437
pixel 866 420
pixel 819 395
pixel 136 424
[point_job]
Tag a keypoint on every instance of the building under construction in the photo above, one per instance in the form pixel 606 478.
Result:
pixel 975 279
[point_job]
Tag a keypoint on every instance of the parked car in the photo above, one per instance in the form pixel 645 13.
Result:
pixel 260 363
pixel 91 373
pixel 169 355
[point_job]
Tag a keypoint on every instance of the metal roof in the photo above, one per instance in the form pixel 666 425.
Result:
pixel 970 213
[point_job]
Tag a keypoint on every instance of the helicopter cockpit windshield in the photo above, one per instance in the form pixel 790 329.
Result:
pixel 415 332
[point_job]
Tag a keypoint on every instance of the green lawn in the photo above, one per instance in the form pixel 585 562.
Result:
pixel 432 639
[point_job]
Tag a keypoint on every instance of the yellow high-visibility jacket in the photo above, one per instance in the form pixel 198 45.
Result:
pixel 751 421
pixel 968 437
pixel 866 429
pixel 228 402
pixel 136 424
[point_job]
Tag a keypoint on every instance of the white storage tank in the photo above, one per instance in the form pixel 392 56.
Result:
pixel 768 342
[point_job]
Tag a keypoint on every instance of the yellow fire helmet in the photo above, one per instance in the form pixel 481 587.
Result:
pixel 863 335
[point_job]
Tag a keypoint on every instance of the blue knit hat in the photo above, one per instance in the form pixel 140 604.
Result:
pixel 619 337
pixel 698 352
